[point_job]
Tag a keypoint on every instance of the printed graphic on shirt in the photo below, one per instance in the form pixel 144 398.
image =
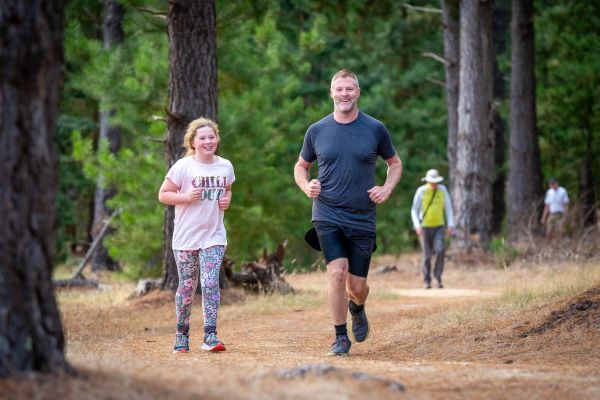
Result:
pixel 213 187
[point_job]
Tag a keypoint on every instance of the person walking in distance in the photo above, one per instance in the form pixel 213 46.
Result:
pixel 346 145
pixel 199 186
pixel 430 204
pixel 556 204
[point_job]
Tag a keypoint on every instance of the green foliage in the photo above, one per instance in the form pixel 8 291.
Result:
pixel 567 48
pixel 504 254
pixel 131 80
pixel 77 114
pixel 73 192
pixel 269 100
pixel 262 121
pixel 138 239
pixel 275 61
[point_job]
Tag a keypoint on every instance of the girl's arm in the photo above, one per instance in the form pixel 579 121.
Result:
pixel 169 194
pixel 225 199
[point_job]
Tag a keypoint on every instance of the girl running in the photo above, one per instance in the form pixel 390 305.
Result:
pixel 199 186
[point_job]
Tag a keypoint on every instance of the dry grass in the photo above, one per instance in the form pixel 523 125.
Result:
pixel 273 304
pixel 107 295
pixel 465 341
pixel 490 331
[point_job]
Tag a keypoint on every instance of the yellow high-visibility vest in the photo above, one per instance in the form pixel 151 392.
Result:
pixel 435 214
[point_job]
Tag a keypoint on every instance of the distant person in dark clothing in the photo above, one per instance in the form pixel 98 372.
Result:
pixel 346 145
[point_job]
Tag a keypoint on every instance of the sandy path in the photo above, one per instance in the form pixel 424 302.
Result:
pixel 132 341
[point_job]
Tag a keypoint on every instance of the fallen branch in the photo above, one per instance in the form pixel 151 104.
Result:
pixel 93 247
pixel 385 269
pixel 264 276
pixel 145 286
pixel 82 283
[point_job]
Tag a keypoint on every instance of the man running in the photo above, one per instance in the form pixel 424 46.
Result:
pixel 346 145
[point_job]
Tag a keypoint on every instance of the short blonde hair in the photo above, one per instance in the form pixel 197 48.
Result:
pixel 345 73
pixel 190 133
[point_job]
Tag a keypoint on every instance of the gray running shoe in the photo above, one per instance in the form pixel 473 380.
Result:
pixel 360 326
pixel 182 343
pixel 341 346
pixel 212 343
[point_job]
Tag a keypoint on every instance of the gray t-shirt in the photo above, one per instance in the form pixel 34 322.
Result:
pixel 346 155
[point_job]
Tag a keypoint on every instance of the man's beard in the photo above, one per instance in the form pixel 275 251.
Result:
pixel 346 107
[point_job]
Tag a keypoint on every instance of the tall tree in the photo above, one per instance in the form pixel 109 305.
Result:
pixel 192 90
pixel 450 17
pixel 31 50
pixel 499 186
pixel 110 134
pixel 492 36
pixel 474 144
pixel 524 177
pixel 586 182
pixel 488 59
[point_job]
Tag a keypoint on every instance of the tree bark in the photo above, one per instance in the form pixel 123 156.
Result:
pixel 192 91
pixel 450 17
pixel 488 53
pixel 499 186
pixel 113 35
pixel 524 178
pixel 474 145
pixel 586 186
pixel 31 50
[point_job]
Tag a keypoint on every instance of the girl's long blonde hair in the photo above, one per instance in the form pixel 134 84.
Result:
pixel 190 133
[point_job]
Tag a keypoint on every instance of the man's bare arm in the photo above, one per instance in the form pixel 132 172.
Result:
pixel 379 194
pixel 311 188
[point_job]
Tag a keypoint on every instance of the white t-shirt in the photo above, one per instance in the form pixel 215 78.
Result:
pixel 199 225
pixel 556 199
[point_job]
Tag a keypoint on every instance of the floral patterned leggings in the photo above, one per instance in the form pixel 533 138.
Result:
pixel 207 262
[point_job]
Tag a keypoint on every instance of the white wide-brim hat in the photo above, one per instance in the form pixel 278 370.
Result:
pixel 432 176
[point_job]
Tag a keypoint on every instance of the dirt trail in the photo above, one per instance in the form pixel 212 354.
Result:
pixel 125 349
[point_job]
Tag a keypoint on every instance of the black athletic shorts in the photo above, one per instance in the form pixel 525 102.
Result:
pixel 356 245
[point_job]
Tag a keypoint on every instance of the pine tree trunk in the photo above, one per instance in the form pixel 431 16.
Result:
pixel 499 185
pixel 31 50
pixel 192 90
pixel 474 145
pixel 586 187
pixel 524 178
pixel 113 35
pixel 488 62
pixel 450 10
